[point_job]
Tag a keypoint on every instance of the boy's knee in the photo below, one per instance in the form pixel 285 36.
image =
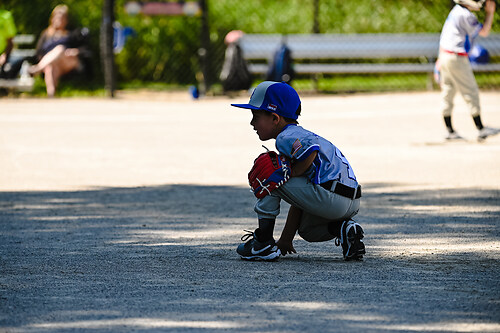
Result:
pixel 318 234
pixel 267 207
pixel 307 236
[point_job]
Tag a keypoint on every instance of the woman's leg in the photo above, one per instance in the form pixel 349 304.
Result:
pixel 64 63
pixel 50 80
pixel 47 59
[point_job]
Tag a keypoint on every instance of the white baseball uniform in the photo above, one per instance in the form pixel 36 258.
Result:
pixel 458 33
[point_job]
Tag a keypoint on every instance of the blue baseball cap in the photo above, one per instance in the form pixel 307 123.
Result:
pixel 275 97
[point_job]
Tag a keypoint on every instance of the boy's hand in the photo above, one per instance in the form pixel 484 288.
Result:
pixel 490 6
pixel 286 247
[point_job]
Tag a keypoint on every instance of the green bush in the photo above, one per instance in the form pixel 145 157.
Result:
pixel 165 49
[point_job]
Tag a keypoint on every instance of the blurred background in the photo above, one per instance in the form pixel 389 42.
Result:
pixel 176 51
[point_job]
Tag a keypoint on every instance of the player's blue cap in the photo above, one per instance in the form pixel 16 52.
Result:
pixel 276 97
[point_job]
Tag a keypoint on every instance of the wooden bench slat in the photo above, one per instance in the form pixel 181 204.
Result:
pixel 366 68
pixel 324 46
pixel 486 68
pixel 23 53
pixel 23 39
pixel 343 46
pixel 356 46
pixel 363 68
pixel 21 83
pixel 350 68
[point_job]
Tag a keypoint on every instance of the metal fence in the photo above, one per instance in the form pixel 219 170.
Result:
pixel 181 46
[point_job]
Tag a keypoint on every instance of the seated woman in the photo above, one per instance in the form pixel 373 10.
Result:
pixel 57 50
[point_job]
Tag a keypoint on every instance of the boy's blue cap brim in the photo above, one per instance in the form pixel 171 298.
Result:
pixel 275 97
pixel 245 106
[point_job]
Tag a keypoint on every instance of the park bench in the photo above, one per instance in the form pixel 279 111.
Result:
pixel 356 53
pixel 23 49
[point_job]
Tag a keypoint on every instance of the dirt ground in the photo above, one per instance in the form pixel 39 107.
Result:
pixel 123 216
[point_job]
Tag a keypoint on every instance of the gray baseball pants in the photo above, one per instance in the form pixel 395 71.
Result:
pixel 319 207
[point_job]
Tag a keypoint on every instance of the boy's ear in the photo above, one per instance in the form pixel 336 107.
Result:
pixel 276 117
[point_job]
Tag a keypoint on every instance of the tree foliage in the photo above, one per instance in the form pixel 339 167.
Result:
pixel 165 48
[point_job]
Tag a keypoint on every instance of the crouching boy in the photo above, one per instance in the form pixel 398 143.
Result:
pixel 310 173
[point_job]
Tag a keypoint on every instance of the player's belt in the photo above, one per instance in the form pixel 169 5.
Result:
pixel 463 54
pixel 343 190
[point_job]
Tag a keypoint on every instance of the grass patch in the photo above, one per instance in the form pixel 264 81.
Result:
pixel 383 83
pixel 152 86
pixel 322 83
pixel 69 88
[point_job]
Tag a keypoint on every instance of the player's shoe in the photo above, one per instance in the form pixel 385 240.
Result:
pixel 253 249
pixel 454 136
pixel 486 132
pixel 351 239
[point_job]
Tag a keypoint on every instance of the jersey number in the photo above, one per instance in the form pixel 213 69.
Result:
pixel 350 173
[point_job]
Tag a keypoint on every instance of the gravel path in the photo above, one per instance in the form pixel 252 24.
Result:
pixel 124 216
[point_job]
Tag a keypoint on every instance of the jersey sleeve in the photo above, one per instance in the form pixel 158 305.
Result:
pixel 297 148
pixel 471 25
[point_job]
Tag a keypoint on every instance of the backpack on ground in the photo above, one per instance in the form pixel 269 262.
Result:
pixel 235 74
pixel 281 69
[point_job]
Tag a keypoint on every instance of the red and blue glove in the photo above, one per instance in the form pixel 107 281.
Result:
pixel 269 172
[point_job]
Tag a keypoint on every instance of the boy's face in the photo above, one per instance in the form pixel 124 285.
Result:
pixel 265 124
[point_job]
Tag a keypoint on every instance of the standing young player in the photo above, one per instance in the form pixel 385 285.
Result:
pixel 459 30
pixel 310 173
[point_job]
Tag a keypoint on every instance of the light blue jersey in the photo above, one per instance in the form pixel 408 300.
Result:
pixel 298 143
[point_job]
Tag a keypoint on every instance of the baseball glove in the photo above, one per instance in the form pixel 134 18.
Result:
pixel 269 172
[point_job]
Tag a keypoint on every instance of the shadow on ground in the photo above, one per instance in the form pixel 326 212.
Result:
pixel 162 258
